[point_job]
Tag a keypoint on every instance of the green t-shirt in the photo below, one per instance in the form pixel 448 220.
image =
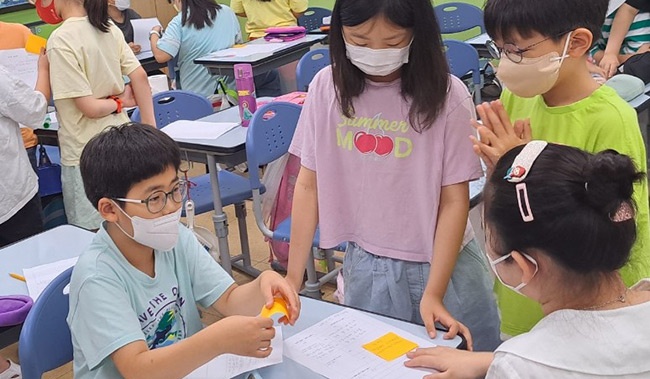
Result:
pixel 599 122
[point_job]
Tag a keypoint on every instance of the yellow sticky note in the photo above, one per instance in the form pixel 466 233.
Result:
pixel 34 44
pixel 238 45
pixel 279 306
pixel 390 346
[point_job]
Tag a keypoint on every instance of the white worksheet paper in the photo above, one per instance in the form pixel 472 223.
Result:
pixel 334 348
pixel 228 365
pixel 141 29
pixel 39 277
pixel 184 129
pixel 253 48
pixel 21 65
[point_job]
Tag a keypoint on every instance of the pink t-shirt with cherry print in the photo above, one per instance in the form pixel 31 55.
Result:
pixel 379 181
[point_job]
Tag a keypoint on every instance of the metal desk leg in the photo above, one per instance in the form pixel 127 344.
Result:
pixel 219 218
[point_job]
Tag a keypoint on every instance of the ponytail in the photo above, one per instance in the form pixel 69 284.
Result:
pixel 97 11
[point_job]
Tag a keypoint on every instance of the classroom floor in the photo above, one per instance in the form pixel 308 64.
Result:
pixel 259 256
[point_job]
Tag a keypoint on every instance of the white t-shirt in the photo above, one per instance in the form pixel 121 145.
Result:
pixel 19 104
pixel 580 344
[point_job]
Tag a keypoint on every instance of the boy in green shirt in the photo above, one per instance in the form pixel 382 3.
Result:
pixel 542 46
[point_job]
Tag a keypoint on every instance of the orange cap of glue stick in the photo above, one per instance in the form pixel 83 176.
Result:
pixel 279 306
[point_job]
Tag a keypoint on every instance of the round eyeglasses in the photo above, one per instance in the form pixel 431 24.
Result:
pixel 157 201
pixel 512 51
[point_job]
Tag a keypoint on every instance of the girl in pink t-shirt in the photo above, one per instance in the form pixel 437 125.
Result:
pixel 385 167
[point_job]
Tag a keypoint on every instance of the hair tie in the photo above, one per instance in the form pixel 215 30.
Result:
pixel 624 212
pixel 520 168
pixel 586 186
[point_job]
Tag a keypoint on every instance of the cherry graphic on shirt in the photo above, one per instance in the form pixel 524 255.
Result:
pixel 384 145
pixel 365 143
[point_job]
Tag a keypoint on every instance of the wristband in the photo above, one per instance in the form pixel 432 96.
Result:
pixel 118 101
pixel 152 32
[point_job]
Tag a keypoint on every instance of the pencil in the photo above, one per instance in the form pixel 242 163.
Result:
pixel 17 276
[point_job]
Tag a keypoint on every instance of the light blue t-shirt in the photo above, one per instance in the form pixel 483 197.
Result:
pixel 113 304
pixel 190 43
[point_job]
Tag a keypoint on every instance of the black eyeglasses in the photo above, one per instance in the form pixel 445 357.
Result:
pixel 512 51
pixel 157 201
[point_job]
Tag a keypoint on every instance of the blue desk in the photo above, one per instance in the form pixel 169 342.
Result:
pixel 53 245
pixel 313 311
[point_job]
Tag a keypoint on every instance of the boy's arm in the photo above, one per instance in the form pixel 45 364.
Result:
pixel 43 80
pixel 452 220
pixel 620 27
pixel 247 336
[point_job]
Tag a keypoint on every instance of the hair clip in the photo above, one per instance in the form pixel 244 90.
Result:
pixel 520 168
pixel 624 212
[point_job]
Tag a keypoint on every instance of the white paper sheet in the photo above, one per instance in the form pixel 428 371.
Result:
pixel 183 129
pixel 228 365
pixel 253 48
pixel 21 64
pixel 39 277
pixel 141 29
pixel 613 5
pixel 333 348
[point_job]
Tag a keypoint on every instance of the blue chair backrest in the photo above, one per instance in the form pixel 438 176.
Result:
pixel 459 17
pixel 312 19
pixel 309 65
pixel 169 106
pixel 269 135
pixel 45 341
pixel 462 59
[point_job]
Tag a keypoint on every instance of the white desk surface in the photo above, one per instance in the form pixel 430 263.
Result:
pixel 480 39
pixel 62 242
pixel 311 38
pixel 231 139
pixel 313 311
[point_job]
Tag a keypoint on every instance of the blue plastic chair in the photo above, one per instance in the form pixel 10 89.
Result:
pixel 312 19
pixel 176 105
pixel 45 341
pixel 459 17
pixel 463 60
pixel 309 65
pixel 268 138
pixel 170 106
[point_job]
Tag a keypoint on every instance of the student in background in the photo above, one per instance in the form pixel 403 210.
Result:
pixel 261 14
pixel 550 92
pixel 200 28
pixel 386 164
pixel 134 291
pixel 14 36
pixel 21 215
pixel 629 34
pixel 589 312
pixel 88 57
pixel 121 13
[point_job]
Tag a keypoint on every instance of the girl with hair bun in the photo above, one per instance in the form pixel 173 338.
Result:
pixel 559 225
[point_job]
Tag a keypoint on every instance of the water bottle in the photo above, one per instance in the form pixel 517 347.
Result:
pixel 245 92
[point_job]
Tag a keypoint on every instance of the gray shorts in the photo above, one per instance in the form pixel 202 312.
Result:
pixel 78 209
pixel 394 288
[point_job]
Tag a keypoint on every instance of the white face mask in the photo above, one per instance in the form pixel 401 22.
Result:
pixel 160 233
pixel 377 62
pixel 122 4
pixel 494 263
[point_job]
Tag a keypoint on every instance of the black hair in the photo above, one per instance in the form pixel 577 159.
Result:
pixel 97 11
pixel 115 160
pixel 550 18
pixel 573 196
pixel 425 78
pixel 199 13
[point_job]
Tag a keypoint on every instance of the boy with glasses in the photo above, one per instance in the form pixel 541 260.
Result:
pixel 550 95
pixel 134 291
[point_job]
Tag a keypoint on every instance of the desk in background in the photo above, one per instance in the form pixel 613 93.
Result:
pixel 312 311
pixel 478 43
pixel 62 242
pixel 261 62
